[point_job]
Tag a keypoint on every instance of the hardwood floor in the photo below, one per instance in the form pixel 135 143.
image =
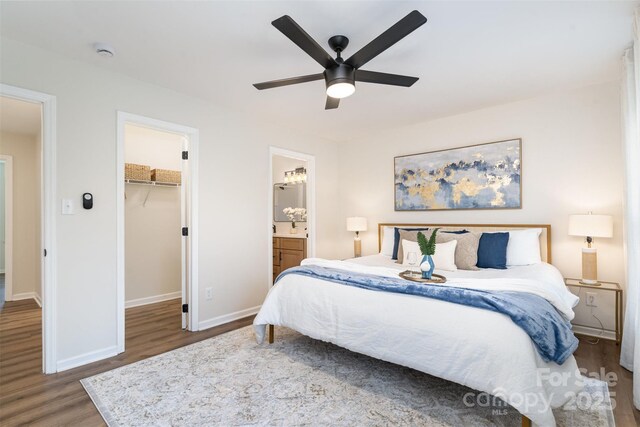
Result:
pixel 604 358
pixel 27 397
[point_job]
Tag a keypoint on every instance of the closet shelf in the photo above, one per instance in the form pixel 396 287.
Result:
pixel 152 183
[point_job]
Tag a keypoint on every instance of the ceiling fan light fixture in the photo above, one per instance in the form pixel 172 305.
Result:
pixel 341 81
pixel 341 90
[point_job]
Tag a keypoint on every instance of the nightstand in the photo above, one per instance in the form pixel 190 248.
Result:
pixel 604 286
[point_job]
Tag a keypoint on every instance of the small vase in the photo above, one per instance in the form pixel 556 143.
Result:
pixel 427 266
pixel 293 229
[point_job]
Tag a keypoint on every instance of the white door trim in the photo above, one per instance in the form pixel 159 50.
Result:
pixel 8 226
pixel 191 193
pixel 48 220
pixel 311 204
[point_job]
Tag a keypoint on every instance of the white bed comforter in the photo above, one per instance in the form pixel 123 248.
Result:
pixel 481 349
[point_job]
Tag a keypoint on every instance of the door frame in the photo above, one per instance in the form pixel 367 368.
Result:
pixel 190 193
pixel 8 226
pixel 48 279
pixel 311 204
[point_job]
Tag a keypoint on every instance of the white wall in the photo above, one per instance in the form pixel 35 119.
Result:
pixel 2 217
pixel 279 166
pixel 232 223
pixel 25 150
pixel 571 163
pixel 152 230
pixel 159 150
pixel 38 224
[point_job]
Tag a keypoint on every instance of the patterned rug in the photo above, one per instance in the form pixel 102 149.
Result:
pixel 229 380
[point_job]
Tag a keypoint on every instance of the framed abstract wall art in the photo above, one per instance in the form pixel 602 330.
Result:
pixel 484 176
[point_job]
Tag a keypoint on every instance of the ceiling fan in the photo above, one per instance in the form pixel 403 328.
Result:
pixel 340 75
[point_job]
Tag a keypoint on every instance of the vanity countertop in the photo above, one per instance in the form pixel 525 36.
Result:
pixel 293 236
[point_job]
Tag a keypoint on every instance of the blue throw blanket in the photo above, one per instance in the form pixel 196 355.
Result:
pixel 550 332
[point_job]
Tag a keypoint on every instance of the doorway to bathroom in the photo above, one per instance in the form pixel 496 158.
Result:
pixel 291 209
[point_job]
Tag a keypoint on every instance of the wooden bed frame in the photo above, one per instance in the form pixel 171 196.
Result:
pixel 545 250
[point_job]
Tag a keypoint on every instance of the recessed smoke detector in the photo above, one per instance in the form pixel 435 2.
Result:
pixel 104 50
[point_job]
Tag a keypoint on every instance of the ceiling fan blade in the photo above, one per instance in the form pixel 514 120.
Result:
pixel 296 34
pixel 384 78
pixel 387 39
pixel 331 103
pixel 290 81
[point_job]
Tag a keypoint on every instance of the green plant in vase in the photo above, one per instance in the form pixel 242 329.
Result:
pixel 428 249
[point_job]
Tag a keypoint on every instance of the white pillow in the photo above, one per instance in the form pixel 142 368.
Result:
pixel 524 247
pixel 387 241
pixel 444 258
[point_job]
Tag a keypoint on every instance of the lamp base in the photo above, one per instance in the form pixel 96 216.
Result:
pixel 357 248
pixel 589 266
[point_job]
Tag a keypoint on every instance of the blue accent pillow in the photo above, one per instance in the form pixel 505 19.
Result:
pixel 492 250
pixel 396 239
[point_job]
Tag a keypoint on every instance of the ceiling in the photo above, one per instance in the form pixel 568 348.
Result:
pixel 468 55
pixel 20 117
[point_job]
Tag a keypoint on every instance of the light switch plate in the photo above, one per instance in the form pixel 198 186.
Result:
pixel 67 207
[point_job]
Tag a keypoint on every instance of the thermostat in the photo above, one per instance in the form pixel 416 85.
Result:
pixel 87 200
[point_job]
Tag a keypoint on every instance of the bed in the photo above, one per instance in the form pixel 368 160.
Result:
pixel 478 348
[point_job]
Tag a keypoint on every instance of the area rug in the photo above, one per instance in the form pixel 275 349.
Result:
pixel 230 380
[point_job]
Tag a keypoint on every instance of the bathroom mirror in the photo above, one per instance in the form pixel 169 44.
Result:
pixel 288 196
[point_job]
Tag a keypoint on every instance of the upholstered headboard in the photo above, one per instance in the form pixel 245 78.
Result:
pixel 545 236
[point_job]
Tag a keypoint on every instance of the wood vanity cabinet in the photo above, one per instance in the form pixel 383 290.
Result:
pixel 287 252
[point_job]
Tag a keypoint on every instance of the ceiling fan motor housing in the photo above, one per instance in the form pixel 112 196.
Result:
pixel 342 73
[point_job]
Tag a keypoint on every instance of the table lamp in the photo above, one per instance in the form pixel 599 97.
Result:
pixel 357 224
pixel 590 226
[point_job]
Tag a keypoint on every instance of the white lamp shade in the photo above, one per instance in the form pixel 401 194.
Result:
pixel 356 223
pixel 591 225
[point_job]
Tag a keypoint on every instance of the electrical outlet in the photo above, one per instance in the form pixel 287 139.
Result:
pixel 591 299
pixel 208 293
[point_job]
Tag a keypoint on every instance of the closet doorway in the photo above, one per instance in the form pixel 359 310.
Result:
pixel 156 218
pixel 291 210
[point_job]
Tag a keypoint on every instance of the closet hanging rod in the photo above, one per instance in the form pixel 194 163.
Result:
pixel 154 183
pixel 150 184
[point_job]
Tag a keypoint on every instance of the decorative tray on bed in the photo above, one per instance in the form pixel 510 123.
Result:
pixel 416 276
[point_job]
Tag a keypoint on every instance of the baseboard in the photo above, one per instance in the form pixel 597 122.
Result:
pixel 27 295
pixel 151 300
pixel 86 358
pixel 594 332
pixel 226 318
